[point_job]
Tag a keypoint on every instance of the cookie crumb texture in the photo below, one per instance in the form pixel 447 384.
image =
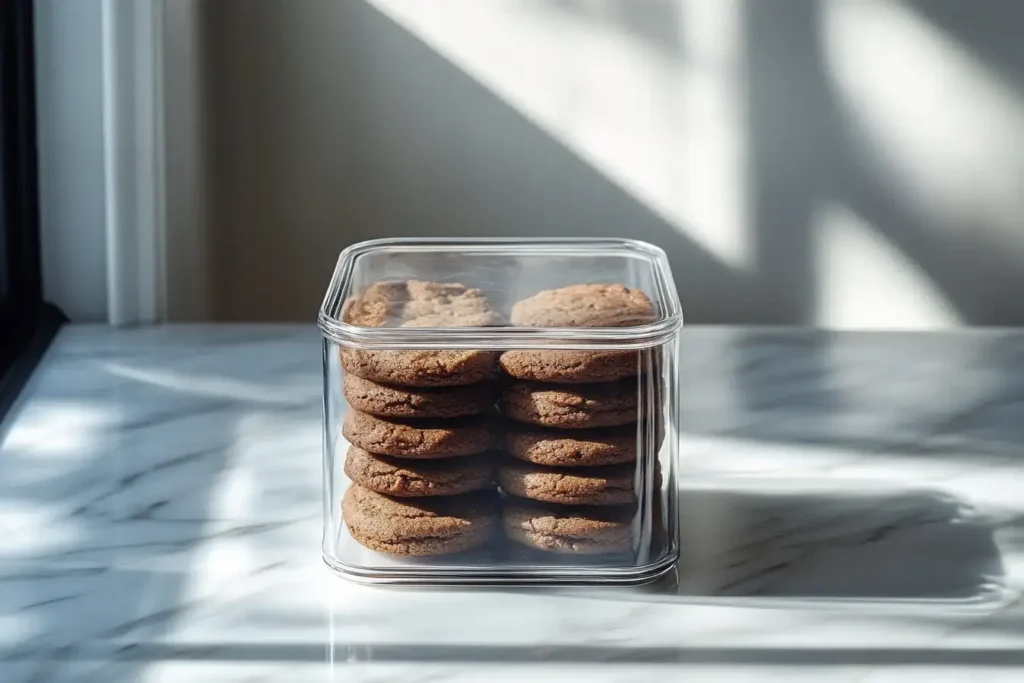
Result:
pixel 404 478
pixel 577 407
pixel 421 368
pixel 419 526
pixel 577 448
pixel 570 530
pixel 570 367
pixel 386 400
pixel 426 439
pixel 578 306
pixel 414 303
pixel 590 305
pixel 608 485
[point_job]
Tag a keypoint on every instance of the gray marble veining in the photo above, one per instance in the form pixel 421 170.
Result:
pixel 852 510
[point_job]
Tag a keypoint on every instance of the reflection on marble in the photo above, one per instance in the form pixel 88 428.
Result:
pixel 852 510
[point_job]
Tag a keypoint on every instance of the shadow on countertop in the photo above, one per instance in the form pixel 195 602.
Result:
pixel 847 545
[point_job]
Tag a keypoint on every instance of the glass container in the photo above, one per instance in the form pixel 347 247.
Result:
pixel 500 411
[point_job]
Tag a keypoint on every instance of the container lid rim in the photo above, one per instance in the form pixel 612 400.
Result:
pixel 641 336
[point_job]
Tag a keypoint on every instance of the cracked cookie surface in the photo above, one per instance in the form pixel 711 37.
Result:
pixel 606 485
pixel 588 305
pixel 405 478
pixel 575 530
pixel 571 367
pixel 413 303
pixel 387 400
pixel 419 526
pixel 591 305
pixel 576 448
pixel 571 407
pixel 419 438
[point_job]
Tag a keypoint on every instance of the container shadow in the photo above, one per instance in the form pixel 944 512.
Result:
pixel 842 545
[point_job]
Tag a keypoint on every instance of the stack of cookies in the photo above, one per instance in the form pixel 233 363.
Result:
pixel 572 439
pixel 419 426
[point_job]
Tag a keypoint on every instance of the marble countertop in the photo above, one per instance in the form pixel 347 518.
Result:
pixel 853 510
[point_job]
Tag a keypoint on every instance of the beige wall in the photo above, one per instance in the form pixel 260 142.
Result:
pixel 846 163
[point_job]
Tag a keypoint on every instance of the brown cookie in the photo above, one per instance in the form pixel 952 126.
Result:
pixel 419 304
pixel 570 367
pixel 420 368
pixel 405 478
pixel 606 485
pixel 577 448
pixel 419 526
pixel 593 305
pixel 427 439
pixel 577 530
pixel 579 306
pixel 571 407
pixel 414 303
pixel 386 400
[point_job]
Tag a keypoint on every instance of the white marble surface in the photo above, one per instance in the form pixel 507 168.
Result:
pixel 854 511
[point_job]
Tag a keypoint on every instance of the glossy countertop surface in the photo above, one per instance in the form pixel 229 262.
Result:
pixel 852 510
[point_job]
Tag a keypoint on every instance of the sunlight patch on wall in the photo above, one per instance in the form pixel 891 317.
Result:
pixel 865 282
pixel 939 123
pixel 714 199
pixel 663 121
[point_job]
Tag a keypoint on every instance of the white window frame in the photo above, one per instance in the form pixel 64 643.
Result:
pixel 154 162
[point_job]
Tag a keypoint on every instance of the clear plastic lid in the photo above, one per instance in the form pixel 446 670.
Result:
pixel 506 271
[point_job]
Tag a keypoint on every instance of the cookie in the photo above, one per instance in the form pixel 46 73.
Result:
pixel 570 367
pixel 579 306
pixel 578 448
pixel 571 407
pixel 386 400
pixel 420 368
pixel 427 439
pixel 576 530
pixel 419 526
pixel 414 303
pixel 593 305
pixel 606 485
pixel 405 478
